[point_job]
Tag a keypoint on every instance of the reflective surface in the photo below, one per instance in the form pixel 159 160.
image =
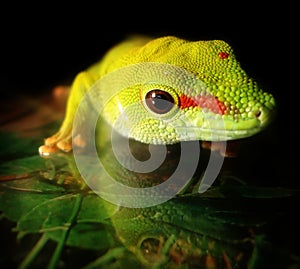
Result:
pixel 51 218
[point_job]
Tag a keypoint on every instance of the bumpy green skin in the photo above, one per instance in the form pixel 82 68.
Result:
pixel 229 95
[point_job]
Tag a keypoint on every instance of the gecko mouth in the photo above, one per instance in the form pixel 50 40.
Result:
pixel 212 134
pixel 221 128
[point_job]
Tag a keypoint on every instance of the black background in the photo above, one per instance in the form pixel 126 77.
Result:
pixel 43 44
pixel 47 44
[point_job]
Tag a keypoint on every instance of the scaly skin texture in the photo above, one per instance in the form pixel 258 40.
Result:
pixel 215 89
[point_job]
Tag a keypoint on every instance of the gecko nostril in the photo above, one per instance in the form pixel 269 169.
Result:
pixel 257 113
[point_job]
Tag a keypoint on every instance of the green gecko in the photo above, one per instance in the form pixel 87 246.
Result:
pixel 226 94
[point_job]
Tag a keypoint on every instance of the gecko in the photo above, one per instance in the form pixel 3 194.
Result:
pixel 199 85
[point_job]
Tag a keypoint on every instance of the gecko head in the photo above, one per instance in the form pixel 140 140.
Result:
pixel 167 116
pixel 187 91
pixel 168 112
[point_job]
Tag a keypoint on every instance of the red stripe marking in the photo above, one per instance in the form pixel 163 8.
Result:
pixel 223 55
pixel 203 101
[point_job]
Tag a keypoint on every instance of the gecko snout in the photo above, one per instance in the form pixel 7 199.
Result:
pixel 264 115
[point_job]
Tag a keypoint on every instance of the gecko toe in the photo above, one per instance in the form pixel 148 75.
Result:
pixel 46 150
pixel 52 140
pixel 79 141
pixel 65 145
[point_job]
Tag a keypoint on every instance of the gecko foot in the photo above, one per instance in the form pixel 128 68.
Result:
pixel 229 149
pixel 54 143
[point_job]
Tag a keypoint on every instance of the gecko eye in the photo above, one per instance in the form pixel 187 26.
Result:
pixel 159 101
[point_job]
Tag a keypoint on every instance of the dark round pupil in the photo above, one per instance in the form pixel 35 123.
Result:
pixel 159 101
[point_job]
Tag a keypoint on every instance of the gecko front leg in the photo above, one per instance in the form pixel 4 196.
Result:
pixel 62 140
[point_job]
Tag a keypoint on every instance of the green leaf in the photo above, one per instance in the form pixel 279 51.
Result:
pixel 93 236
pixel 47 197
pixel 23 196
pixel 53 213
pixel 96 209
